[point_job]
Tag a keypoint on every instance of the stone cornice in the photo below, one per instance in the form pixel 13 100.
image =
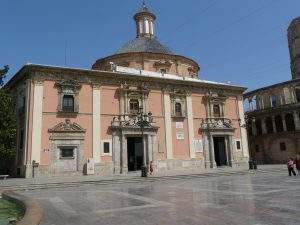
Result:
pixel 289 83
pixel 45 72
pixel 272 111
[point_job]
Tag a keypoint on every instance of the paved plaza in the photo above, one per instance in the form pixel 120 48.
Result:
pixel 261 199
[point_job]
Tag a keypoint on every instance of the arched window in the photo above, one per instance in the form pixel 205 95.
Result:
pixel 178 109
pixel 273 99
pixel 134 106
pixel 258 126
pixel 269 125
pixel 297 93
pixel 278 123
pixel 68 103
pixel 289 120
pixel 216 111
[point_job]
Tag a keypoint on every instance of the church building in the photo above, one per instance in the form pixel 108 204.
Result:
pixel 144 103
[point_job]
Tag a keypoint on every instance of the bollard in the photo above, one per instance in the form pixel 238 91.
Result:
pixel 144 171
pixel 251 166
pixel 254 165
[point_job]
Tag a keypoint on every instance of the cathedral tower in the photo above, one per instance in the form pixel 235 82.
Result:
pixel 294 47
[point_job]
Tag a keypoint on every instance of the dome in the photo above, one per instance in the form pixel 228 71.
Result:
pixel 144 44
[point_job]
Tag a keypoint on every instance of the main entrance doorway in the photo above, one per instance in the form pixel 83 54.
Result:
pixel 220 151
pixel 134 153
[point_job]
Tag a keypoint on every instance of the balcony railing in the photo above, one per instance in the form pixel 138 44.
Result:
pixel 216 123
pixel 181 114
pixel 134 121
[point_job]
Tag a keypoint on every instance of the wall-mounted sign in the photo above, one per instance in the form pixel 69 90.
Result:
pixel 179 135
pixel 179 125
pixel 198 145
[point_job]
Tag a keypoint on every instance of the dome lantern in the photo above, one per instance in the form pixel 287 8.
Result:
pixel 144 18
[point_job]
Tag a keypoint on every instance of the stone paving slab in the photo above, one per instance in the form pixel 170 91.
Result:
pixel 250 199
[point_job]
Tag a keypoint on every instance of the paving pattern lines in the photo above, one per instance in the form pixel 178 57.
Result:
pixel 236 200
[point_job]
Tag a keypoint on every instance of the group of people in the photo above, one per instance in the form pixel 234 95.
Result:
pixel 292 164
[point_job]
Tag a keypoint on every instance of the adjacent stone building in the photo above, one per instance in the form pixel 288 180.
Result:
pixel 144 103
pixel 273 112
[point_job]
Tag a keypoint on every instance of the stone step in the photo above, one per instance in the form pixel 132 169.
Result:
pixel 130 180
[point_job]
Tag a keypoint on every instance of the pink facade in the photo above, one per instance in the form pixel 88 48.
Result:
pixel 133 107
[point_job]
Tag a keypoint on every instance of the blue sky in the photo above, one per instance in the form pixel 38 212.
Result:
pixel 242 41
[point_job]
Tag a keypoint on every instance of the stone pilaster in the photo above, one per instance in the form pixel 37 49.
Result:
pixel 37 116
pixel 168 125
pixel 96 123
pixel 26 125
pixel 190 125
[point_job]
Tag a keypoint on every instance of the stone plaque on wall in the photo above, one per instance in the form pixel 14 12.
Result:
pixel 198 145
pixel 179 135
pixel 179 125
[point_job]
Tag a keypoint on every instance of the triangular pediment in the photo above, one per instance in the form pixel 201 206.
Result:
pixel 67 126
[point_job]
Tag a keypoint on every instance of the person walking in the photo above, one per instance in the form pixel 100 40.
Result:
pixel 297 163
pixel 151 168
pixel 290 166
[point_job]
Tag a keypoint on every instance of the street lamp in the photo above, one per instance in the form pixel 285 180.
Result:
pixel 144 166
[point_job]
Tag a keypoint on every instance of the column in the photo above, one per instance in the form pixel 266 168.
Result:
pixel 168 125
pixel 150 148
pixel 37 116
pixel 116 151
pixel 124 157
pixel 211 152
pixel 283 122
pixel 206 149
pixel 274 124
pixel 96 123
pixel 190 125
pixel 296 120
pixel 244 139
pixel 231 149
pixel 263 126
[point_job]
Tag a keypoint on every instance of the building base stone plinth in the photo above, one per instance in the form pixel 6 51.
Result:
pixel 104 168
pixel 177 164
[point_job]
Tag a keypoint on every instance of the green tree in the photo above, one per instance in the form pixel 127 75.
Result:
pixel 8 125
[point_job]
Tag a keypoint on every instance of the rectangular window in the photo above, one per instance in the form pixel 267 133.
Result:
pixel 67 152
pixel 134 106
pixel 106 148
pixel 68 103
pixel 282 146
pixel 238 145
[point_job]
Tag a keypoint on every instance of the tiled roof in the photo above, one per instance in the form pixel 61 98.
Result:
pixel 144 44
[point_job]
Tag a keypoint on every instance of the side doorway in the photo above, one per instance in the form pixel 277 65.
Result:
pixel 134 153
pixel 220 151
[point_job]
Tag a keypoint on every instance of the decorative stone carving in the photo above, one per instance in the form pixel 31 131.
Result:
pixel 67 127
pixel 216 123
pixel 133 122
